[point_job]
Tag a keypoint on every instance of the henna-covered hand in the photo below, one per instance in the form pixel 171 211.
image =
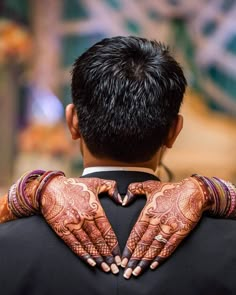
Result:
pixel 5 212
pixel 172 210
pixel 72 208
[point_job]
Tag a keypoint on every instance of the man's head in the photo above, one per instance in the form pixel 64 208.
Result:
pixel 126 92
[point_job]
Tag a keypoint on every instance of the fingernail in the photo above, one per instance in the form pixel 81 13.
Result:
pixel 125 200
pixel 114 269
pixel 154 265
pixel 105 267
pixel 128 273
pixel 124 262
pixel 118 260
pixel 137 271
pixel 91 262
pixel 119 198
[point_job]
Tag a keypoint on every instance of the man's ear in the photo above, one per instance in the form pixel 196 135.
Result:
pixel 72 121
pixel 174 131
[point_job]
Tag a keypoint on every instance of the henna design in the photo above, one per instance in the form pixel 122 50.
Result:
pixel 73 210
pixel 5 212
pixel 172 210
pixel 71 207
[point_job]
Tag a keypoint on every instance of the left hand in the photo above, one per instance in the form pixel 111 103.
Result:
pixel 172 210
pixel 72 208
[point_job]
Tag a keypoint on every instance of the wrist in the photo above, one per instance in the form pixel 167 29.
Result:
pixel 207 198
pixel 44 180
pixel 24 196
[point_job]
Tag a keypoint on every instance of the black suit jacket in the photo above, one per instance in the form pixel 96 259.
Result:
pixel 34 261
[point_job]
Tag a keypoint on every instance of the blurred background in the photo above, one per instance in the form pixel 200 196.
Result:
pixel 40 39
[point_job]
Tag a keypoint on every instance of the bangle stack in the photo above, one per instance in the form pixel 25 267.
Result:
pixel 231 213
pixel 223 195
pixel 20 203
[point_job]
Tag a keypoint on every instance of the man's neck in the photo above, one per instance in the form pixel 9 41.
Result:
pixel 89 160
pixel 94 162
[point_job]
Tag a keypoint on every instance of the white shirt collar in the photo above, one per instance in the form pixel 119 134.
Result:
pixel 116 168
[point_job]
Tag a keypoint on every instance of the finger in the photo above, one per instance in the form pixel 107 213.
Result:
pixel 98 241
pixel 133 190
pixel 110 187
pixel 129 198
pixel 88 246
pixel 77 248
pixel 134 237
pixel 167 251
pixel 153 251
pixel 140 188
pixel 141 249
pixel 109 236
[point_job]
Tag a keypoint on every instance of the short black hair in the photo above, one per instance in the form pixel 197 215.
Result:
pixel 127 91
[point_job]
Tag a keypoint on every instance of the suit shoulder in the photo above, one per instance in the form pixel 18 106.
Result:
pixel 25 230
pixel 212 235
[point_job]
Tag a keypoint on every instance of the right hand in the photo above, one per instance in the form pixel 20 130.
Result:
pixel 171 212
pixel 72 208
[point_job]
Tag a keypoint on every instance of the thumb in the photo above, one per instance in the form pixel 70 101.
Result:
pixel 110 187
pixel 134 189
